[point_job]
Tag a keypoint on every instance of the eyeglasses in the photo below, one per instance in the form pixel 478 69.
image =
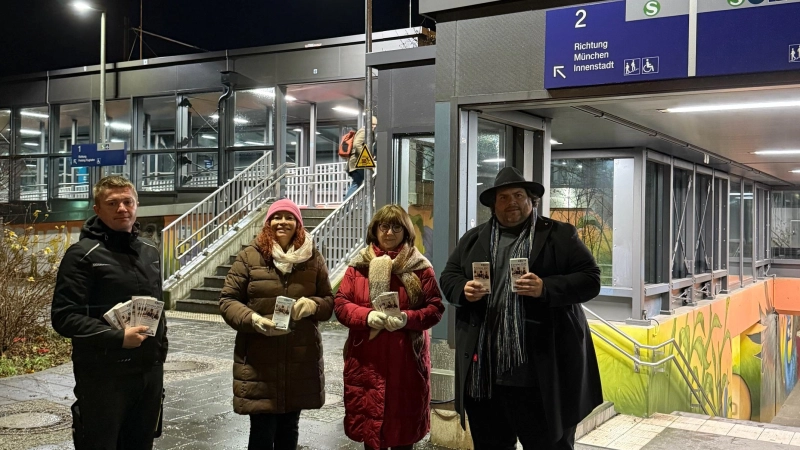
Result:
pixel 384 227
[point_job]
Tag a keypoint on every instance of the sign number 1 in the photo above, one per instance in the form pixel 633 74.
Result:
pixel 581 13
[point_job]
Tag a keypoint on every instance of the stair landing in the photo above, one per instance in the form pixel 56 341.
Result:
pixel 688 431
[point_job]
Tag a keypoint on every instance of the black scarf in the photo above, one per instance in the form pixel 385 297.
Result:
pixel 502 335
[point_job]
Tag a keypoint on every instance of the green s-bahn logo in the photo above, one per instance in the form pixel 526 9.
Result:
pixel 653 7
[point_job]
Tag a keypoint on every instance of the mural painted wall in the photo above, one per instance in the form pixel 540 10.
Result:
pixel 737 347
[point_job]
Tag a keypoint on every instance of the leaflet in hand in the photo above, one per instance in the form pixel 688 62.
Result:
pixel 388 303
pixel 482 274
pixel 283 312
pixel 111 318
pixel 123 313
pixel 146 312
pixel 517 267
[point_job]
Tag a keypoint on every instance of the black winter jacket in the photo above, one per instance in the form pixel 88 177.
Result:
pixel 103 268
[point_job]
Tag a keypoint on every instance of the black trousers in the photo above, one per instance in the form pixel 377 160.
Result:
pixel 512 413
pixel 117 412
pixel 274 431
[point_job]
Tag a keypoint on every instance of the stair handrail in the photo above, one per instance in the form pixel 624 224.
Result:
pixel 209 219
pixel 343 233
pixel 635 358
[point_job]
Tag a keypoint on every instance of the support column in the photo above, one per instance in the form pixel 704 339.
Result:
pixel 279 154
pixel 312 154
pixel 542 160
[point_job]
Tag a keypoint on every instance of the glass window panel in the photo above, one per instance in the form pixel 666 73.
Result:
pixel 116 170
pixel 293 137
pixel 656 225
pixel 582 193
pixel 420 189
pixel 242 159
pixel 118 121
pixel 159 122
pixel 491 158
pixel 33 130
pixel 203 121
pixel 5 131
pixel 253 120
pixel 681 247
pixel 5 179
pixel 157 172
pixel 763 245
pixel 72 182
pixel 735 204
pixel 327 139
pixel 704 239
pixel 198 170
pixel 75 126
pixel 33 179
pixel 722 198
pixel 748 206
pixel 785 228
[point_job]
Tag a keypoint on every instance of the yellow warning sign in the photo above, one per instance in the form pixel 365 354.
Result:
pixel 365 160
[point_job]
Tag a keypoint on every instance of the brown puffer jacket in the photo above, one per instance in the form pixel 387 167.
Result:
pixel 284 373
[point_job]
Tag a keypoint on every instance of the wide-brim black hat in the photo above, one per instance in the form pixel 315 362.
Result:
pixel 509 177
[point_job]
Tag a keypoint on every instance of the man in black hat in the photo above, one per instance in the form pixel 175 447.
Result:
pixel 525 363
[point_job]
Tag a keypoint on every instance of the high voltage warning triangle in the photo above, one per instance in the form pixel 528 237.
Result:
pixel 365 160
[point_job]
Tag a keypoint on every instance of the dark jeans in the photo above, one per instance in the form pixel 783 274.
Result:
pixel 512 413
pixel 117 412
pixel 402 447
pixel 274 431
pixel 358 177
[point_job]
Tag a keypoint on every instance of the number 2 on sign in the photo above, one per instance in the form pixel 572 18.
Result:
pixel 582 14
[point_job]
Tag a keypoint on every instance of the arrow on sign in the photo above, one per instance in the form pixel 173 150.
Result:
pixel 557 71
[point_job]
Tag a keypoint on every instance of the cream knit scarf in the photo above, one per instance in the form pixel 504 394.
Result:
pixel 381 268
pixel 285 261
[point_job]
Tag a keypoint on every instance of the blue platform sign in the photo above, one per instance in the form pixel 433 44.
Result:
pixel 747 36
pixel 91 155
pixel 616 42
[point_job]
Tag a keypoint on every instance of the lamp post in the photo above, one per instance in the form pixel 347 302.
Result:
pixel 82 6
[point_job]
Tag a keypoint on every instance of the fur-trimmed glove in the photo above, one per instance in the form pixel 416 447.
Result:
pixel 303 307
pixel 266 326
pixel 396 323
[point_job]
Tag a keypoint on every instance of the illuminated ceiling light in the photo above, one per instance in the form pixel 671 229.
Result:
pixel 82 6
pixel 297 130
pixel 293 143
pixel 263 92
pixel 554 142
pixel 346 110
pixel 479 184
pixel 733 107
pixel 117 140
pixel 318 132
pixel 208 136
pixel 214 116
pixel 778 152
pixel 238 144
pixel 795 171
pixel 254 143
pixel 31 144
pixel 289 98
pixel 119 126
pixel 30 132
pixel 33 114
pixel 494 160
pixel 240 120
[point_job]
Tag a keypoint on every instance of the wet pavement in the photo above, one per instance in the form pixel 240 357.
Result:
pixel 34 409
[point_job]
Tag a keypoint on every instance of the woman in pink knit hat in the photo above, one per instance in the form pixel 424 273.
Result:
pixel 277 373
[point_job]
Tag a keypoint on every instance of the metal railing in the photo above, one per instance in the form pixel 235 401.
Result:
pixel 192 234
pixel 708 406
pixel 343 233
pixel 326 185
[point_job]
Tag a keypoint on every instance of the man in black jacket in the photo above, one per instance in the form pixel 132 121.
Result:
pixel 119 374
pixel 525 363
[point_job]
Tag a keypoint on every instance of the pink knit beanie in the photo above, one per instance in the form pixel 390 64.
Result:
pixel 285 205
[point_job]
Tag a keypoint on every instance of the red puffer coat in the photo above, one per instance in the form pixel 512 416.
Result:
pixel 386 387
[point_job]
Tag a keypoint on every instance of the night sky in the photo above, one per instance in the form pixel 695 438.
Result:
pixel 44 35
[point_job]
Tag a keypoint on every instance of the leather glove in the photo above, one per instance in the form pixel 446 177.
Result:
pixel 303 307
pixel 266 326
pixel 395 323
pixel 376 320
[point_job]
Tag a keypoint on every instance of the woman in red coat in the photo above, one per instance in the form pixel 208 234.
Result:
pixel 387 358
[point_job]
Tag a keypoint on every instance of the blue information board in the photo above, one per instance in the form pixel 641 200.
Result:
pixel 747 39
pixel 598 44
pixel 91 155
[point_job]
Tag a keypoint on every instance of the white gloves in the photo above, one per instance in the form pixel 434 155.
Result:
pixel 266 326
pixel 396 323
pixel 303 307
pixel 376 320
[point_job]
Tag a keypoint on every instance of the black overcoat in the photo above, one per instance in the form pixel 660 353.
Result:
pixel 560 344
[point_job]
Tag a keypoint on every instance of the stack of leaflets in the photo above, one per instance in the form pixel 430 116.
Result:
pixel 519 267
pixel 388 303
pixel 481 274
pixel 283 312
pixel 139 311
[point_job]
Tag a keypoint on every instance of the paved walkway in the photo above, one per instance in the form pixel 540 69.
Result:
pixel 34 409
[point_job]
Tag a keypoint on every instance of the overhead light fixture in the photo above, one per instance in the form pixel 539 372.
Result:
pixel 31 144
pixel 119 126
pixel 82 6
pixel 297 130
pixel 117 140
pixel 795 171
pixel 30 132
pixel 235 119
pixel 34 114
pixel 554 142
pixel 479 184
pixel 208 136
pixel 494 160
pixel 254 143
pixel 293 143
pixel 346 110
pixel 214 116
pixel 733 107
pixel 778 152
pixel 263 92
pixel 238 144
pixel 289 98
pixel 318 132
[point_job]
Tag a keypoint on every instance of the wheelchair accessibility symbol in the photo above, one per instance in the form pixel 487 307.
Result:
pixel 649 65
